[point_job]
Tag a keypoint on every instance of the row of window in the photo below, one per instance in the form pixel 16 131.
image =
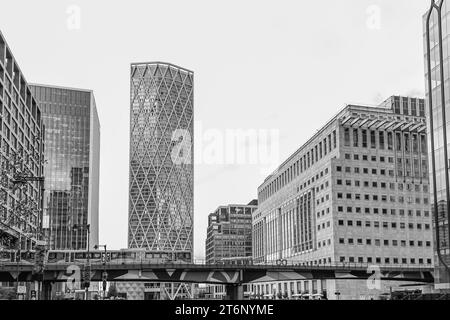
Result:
pixel 381 140
pixel 384 185
pixel 384 211
pixel 409 108
pixel 383 198
pixel 379 260
pixel 304 162
pixel 385 225
pixel 423 173
pixel 316 178
pixel 386 243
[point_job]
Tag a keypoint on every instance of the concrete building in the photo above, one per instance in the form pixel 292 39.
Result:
pixel 357 192
pixel 72 153
pixel 229 235
pixel 161 200
pixel 436 33
pixel 229 240
pixel 21 155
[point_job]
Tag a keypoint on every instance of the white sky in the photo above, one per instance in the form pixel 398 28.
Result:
pixel 287 65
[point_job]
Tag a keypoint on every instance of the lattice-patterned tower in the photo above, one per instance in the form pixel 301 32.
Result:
pixel 161 158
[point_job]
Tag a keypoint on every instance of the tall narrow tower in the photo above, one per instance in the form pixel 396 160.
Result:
pixel 437 78
pixel 161 158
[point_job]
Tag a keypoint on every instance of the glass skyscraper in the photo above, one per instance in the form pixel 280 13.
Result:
pixel 161 200
pixel 72 157
pixel 437 75
pixel 161 158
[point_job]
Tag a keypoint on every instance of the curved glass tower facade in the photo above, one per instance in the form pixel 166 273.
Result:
pixel 437 69
pixel 161 153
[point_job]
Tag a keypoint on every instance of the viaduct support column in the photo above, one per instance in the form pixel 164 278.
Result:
pixel 235 291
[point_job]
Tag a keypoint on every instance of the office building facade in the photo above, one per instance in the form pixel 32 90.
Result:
pixel 436 33
pixel 229 241
pixel 357 192
pixel 72 154
pixel 21 148
pixel 161 196
pixel 229 234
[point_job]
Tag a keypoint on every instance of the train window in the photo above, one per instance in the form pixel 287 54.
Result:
pixel 96 256
pixel 80 255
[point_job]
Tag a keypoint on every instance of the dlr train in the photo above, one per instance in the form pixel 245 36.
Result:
pixel 126 256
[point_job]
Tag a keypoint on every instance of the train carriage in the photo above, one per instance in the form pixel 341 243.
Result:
pixel 126 256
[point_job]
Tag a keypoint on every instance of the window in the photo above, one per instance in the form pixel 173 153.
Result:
pixel 381 140
pixel 405 106
pixel 390 142
pixel 347 137
pixel 413 107
pixel 334 139
pixel 373 144
pixel 355 138
pixel 364 139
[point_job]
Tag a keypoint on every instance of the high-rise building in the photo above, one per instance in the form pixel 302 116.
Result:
pixel 161 199
pixel 356 192
pixel 161 179
pixel 72 154
pixel 229 241
pixel 436 33
pixel 229 235
pixel 21 149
